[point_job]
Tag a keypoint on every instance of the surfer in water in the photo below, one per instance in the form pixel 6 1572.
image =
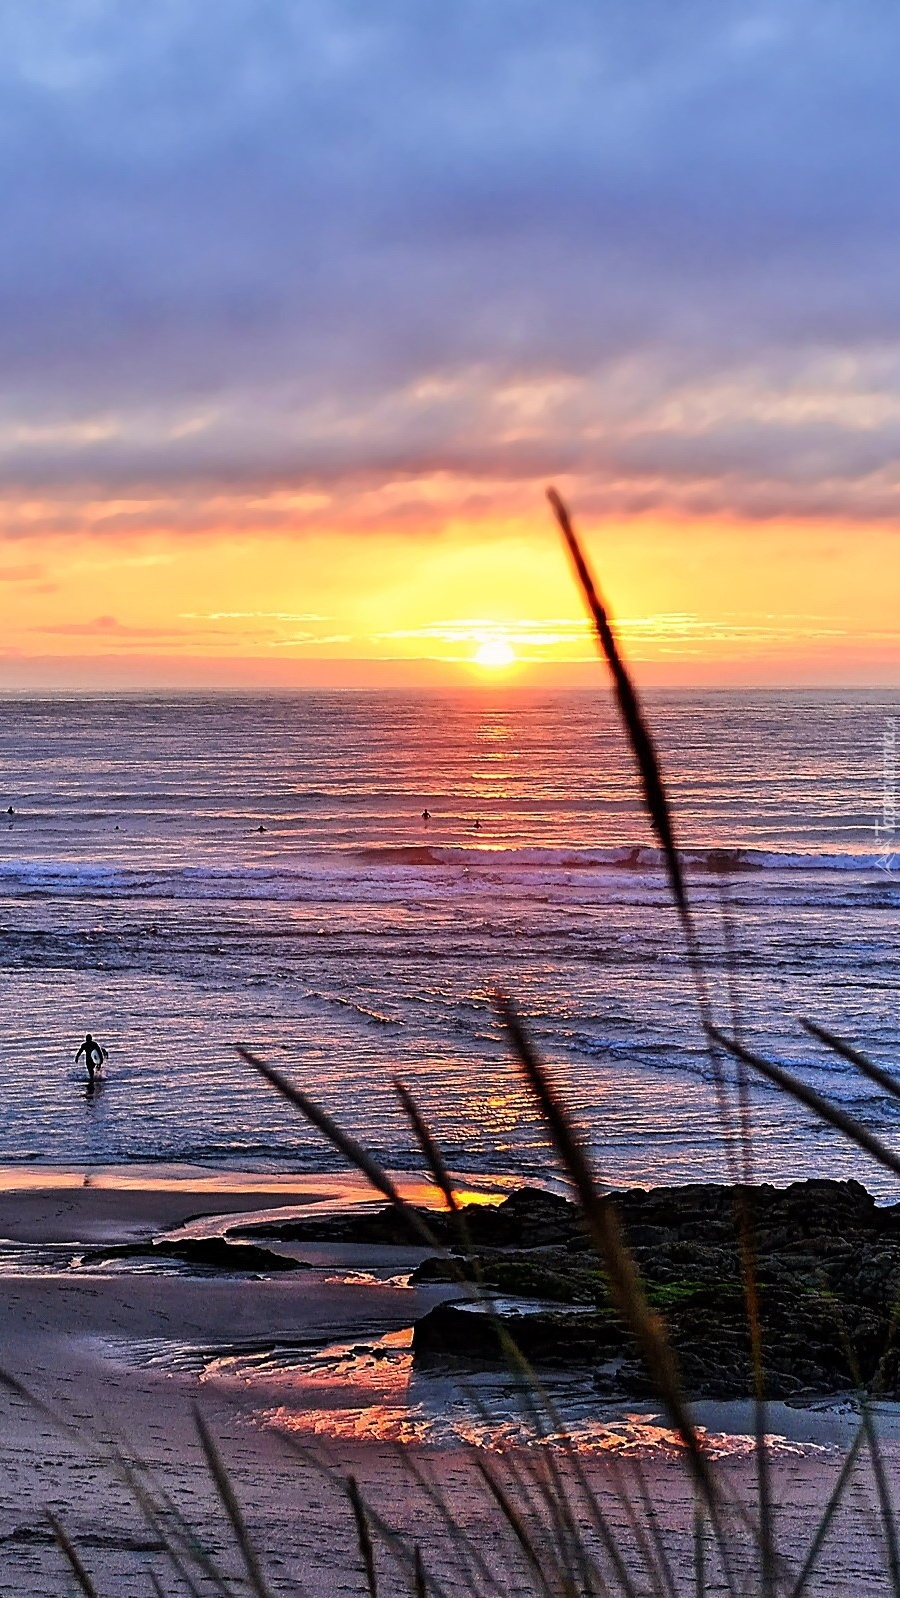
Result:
pixel 94 1057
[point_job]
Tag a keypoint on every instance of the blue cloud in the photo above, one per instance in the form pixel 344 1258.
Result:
pixel 276 213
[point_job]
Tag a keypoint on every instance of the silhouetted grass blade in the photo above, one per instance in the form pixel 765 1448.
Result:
pixel 831 1113
pixel 885 1504
pixel 602 1223
pixel 163 1518
pixel 874 1072
pixel 638 732
pixel 517 1525
pixel 180 1542
pixel 72 1557
pixel 398 1543
pixel 821 1532
pixel 232 1508
pixel 744 1219
pixel 441 1176
pixel 353 1152
pixel 464 1548
pixel 654 1569
pixel 700 1587
pixel 432 1154
pixel 652 1519
pixel 363 1536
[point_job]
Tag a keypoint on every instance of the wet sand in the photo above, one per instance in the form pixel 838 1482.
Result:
pixel 116 1204
pixel 122 1356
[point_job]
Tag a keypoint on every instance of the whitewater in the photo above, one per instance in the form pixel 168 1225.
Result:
pixel 180 874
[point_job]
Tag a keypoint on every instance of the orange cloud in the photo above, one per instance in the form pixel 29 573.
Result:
pixel 704 600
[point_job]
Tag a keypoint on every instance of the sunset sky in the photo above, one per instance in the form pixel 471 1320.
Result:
pixel 303 305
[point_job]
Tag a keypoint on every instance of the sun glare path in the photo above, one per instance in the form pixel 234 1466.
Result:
pixel 494 653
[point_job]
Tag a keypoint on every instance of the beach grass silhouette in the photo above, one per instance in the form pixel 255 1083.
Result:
pixel 556 1536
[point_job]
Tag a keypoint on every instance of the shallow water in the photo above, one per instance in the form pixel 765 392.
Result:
pixel 369 1391
pixel 351 940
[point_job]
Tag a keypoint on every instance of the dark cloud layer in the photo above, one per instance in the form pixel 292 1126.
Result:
pixel 254 240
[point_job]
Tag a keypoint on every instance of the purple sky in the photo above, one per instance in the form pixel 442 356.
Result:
pixel 239 237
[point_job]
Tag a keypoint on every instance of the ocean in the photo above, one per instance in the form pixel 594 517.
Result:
pixel 184 873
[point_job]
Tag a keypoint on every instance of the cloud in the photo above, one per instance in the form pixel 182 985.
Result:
pixel 115 631
pixel 331 246
pixel 30 572
pixel 253 615
pixel 108 627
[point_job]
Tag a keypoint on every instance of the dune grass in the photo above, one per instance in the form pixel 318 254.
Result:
pixel 566 1507
pixel 554 1537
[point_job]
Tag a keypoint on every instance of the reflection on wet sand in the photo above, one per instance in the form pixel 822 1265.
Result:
pixel 373 1392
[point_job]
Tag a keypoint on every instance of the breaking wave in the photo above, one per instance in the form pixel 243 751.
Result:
pixel 79 879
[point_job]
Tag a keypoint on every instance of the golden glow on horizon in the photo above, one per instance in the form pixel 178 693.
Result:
pixel 256 604
pixel 495 653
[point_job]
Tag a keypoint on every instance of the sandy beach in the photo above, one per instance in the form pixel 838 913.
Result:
pixel 120 1356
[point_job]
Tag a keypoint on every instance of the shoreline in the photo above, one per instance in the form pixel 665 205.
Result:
pixel 167 1176
pixel 123 1355
pixel 109 1204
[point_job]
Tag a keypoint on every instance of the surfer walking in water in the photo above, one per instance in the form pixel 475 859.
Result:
pixel 93 1057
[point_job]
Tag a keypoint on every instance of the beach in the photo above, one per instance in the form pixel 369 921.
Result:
pixel 309 1360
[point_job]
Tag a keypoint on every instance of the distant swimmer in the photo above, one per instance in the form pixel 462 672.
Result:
pixel 477 827
pixel 426 815
pixel 94 1057
pixel 10 811
pixel 260 829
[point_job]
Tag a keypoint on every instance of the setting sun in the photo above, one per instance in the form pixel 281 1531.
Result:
pixel 495 653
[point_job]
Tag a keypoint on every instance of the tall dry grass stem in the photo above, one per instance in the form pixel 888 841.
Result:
pixel 808 1096
pixel 363 1536
pixel 72 1557
pixel 255 1576
pixel 867 1067
pixel 604 1229
pixel 632 714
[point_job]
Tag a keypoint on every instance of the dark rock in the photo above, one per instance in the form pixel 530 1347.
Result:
pixel 547 1337
pixel 214 1252
pixel 385 1227
pixel 528 1218
pixel 826 1266
pixel 543 1274
pixel 223 1255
